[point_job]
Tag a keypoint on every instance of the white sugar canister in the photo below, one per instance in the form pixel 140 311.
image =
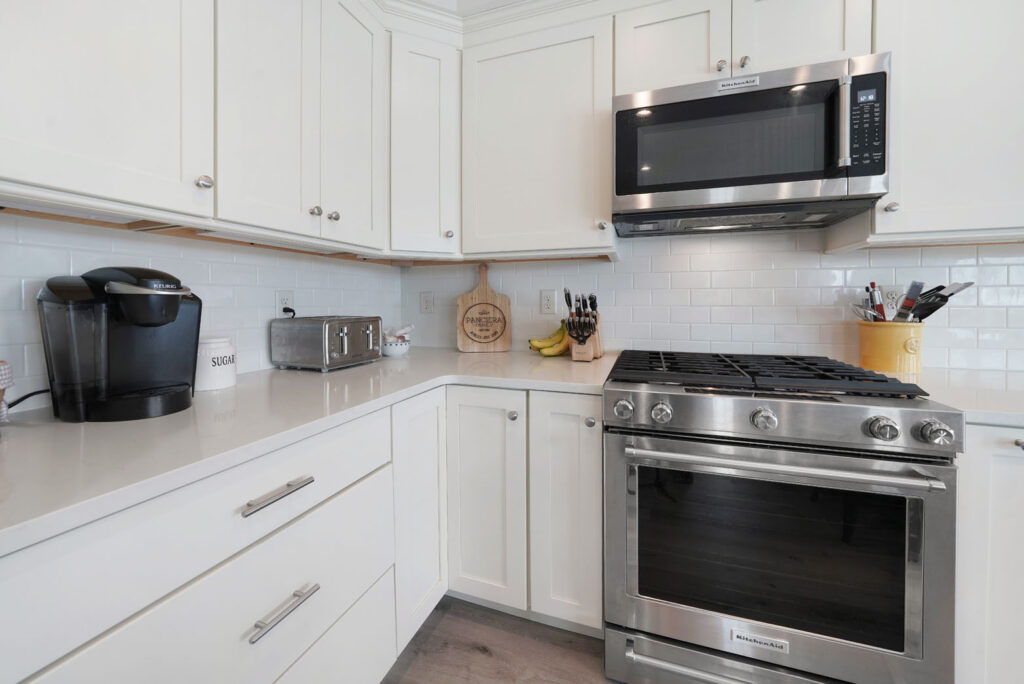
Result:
pixel 215 365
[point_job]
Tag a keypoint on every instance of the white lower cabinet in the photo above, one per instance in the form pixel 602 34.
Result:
pixel 487 494
pixel 246 620
pixel 566 477
pixel 421 556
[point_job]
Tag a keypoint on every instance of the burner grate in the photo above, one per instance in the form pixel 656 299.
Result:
pixel 757 371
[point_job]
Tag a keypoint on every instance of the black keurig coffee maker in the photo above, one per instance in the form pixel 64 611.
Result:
pixel 120 343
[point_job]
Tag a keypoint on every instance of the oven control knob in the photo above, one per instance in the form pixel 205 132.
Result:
pixel 936 432
pixel 661 413
pixel 881 427
pixel 764 419
pixel 623 409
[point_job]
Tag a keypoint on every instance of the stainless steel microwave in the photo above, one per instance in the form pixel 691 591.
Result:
pixel 794 148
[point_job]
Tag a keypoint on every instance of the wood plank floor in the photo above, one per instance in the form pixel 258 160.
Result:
pixel 461 643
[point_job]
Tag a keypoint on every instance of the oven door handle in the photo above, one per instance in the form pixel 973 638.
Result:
pixel 836 475
pixel 845 86
pixel 681 670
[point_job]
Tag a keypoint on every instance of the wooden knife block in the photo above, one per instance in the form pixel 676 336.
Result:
pixel 591 349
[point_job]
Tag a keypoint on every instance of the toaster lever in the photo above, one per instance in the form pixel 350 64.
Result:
pixel 343 334
pixel 369 336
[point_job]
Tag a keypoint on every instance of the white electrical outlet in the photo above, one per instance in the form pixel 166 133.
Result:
pixel 547 301
pixel 427 302
pixel 285 298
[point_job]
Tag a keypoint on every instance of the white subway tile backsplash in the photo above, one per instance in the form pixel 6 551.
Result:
pixel 753 333
pixel 979 275
pixel 690 314
pixel 950 256
pixel 1016 275
pixel 652 281
pixel 711 297
pixel 982 359
pixel 1015 360
pixel 731 314
pixel 901 256
pixel 650 314
pixel 797 296
pixel 635 297
pixel 770 278
pixel 989 338
pixel 755 296
pixel 670 297
pixel 974 317
pixel 820 278
pixel 691 280
pixel 1001 254
pixel 731 279
pixel 1000 296
pixel 860 277
pixel 1015 318
pixel 671 263
pixel 714 332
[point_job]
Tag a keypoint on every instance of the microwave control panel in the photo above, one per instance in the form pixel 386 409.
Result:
pixel 867 125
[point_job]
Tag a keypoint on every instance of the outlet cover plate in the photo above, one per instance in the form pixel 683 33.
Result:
pixel 426 302
pixel 547 302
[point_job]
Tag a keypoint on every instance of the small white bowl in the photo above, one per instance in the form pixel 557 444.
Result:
pixel 394 348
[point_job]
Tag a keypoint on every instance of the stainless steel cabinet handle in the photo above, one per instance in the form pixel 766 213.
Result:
pixel 590 422
pixel 1019 442
pixel 317 210
pixel 263 626
pixel 334 216
pixel 204 182
pixel 449 233
pixel 270 497
pixel 513 415
pixel 892 206
pixel 721 64
pixel 689 673
pixel 744 61
pixel 848 476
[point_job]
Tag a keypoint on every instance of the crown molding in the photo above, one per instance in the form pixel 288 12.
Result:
pixel 450 21
pixel 422 13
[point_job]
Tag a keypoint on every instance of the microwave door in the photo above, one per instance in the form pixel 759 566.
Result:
pixel 772 144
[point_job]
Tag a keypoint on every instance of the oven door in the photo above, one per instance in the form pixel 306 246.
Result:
pixel 817 562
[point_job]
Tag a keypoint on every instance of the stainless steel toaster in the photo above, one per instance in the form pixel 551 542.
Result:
pixel 324 342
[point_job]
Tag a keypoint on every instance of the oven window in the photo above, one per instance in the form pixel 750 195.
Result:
pixel 826 561
pixel 767 136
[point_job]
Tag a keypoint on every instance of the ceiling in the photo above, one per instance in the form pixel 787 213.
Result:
pixel 465 8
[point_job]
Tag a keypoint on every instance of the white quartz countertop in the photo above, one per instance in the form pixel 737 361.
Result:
pixel 55 476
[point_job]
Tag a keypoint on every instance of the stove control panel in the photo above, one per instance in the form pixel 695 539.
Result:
pixel 623 409
pixel 764 419
pixel 661 413
pixel 883 428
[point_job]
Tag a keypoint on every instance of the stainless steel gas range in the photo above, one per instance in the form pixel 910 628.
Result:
pixel 773 519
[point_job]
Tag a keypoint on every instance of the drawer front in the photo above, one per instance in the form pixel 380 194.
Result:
pixel 205 631
pixel 62 592
pixel 359 648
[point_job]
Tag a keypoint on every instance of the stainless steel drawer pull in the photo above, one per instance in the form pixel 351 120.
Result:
pixel 682 670
pixel 276 495
pixel 298 598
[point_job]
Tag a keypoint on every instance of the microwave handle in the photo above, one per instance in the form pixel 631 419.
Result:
pixel 845 84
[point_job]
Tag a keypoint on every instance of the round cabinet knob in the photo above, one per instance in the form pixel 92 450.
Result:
pixel 764 419
pixel 892 207
pixel 334 216
pixel 661 413
pixel 1019 442
pixel 744 61
pixel 204 182
pixel 590 422
pixel 449 234
pixel 317 210
pixel 623 409
pixel 883 428
pixel 513 415
pixel 937 432
pixel 720 66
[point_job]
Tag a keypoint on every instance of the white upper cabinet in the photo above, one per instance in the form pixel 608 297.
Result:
pixel 354 124
pixel 537 135
pixel 268 113
pixel 424 145
pixel 956 142
pixel 672 43
pixel 776 34
pixel 110 98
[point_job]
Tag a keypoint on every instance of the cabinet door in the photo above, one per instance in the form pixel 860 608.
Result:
pixel 671 44
pixel 566 507
pixel 424 145
pixel 354 130
pixel 537 138
pixel 111 98
pixel 268 113
pixel 421 560
pixel 955 145
pixel 487 494
pixel 777 34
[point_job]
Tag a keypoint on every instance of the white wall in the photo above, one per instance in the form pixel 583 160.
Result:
pixel 750 293
pixel 237 286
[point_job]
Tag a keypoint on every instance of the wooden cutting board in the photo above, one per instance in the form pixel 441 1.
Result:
pixel 483 319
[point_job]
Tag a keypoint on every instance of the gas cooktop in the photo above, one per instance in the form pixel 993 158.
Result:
pixel 757 372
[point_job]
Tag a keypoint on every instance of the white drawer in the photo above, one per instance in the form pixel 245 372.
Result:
pixel 359 648
pixel 60 593
pixel 204 632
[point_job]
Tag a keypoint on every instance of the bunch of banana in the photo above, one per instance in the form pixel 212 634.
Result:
pixel 554 345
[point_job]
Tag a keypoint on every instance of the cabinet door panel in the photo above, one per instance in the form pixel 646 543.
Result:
pixel 671 44
pixel 268 99
pixel 424 145
pixel 487 494
pixel 354 114
pixel 111 98
pixel 537 140
pixel 566 507
pixel 777 34
pixel 421 559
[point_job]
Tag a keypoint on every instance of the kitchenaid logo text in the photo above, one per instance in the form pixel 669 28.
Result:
pixel 226 360
pixel 776 645
pixel 733 84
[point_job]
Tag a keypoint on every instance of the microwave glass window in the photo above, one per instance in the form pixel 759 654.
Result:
pixel 826 561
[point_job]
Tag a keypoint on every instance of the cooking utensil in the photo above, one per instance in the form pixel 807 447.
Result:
pixel 909 300
pixel 865 313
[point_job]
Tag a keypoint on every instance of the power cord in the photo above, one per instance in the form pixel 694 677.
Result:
pixel 12 404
